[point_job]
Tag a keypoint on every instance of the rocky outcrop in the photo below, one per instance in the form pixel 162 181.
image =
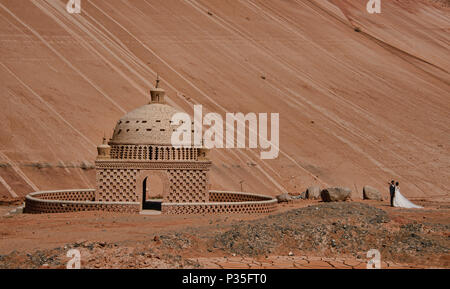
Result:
pixel 313 193
pixel 335 194
pixel 370 193
pixel 284 198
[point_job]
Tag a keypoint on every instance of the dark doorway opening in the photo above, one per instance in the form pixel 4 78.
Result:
pixel 148 203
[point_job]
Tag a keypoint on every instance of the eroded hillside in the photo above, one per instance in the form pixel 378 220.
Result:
pixel 363 98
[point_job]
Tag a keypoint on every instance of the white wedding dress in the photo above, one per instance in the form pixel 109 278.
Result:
pixel 402 202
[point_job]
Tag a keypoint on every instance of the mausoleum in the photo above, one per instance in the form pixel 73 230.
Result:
pixel 139 171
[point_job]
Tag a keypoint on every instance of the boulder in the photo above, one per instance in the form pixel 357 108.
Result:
pixel 370 193
pixel 313 193
pixel 335 194
pixel 284 198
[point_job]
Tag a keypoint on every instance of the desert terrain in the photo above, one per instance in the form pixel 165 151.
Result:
pixel 362 98
pixel 301 234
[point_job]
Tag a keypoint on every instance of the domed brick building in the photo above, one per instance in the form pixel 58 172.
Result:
pixel 140 159
pixel 139 171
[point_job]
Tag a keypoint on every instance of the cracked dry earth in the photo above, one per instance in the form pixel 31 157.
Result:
pixel 292 262
pixel 303 234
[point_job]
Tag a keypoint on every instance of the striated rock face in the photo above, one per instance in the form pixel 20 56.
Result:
pixel 370 193
pixel 78 92
pixel 313 193
pixel 335 194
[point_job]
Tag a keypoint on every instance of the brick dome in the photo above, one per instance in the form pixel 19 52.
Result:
pixel 149 125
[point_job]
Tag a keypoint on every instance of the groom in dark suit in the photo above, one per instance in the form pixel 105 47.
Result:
pixel 392 192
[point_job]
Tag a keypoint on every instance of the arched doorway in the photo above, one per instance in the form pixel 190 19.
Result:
pixel 152 193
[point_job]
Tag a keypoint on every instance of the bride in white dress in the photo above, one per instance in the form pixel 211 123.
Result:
pixel 401 201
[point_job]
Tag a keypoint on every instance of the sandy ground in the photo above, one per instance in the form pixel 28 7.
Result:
pixel 406 238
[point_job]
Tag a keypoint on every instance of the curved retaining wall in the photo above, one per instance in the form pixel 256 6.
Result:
pixel 46 202
pixel 223 202
pixel 220 202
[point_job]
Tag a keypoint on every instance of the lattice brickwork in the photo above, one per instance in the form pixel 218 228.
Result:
pixel 187 186
pixel 153 153
pixel 69 195
pixel 49 202
pixel 54 202
pixel 42 207
pixel 208 208
pixel 116 185
pixel 216 196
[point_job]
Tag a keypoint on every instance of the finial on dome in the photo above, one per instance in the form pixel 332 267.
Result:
pixel 157 94
pixel 157 81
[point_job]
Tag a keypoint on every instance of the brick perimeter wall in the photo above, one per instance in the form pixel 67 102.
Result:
pixel 223 196
pixel 81 200
pixel 81 195
pixel 225 203
pixel 72 201
pixel 226 208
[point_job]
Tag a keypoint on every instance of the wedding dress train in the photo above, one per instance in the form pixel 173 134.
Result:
pixel 402 202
